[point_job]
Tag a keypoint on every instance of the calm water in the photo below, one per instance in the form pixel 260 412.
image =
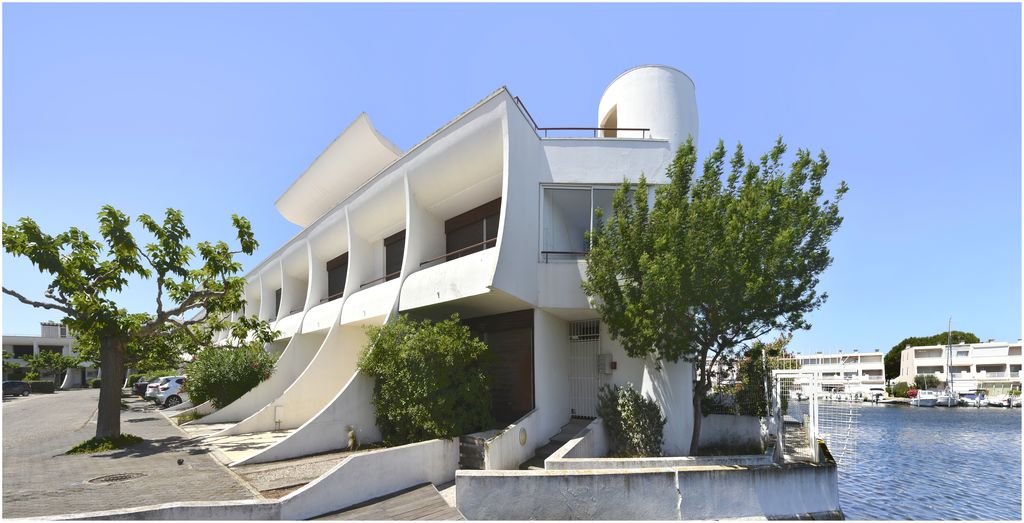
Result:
pixel 934 463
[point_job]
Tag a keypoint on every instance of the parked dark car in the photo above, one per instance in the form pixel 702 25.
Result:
pixel 17 388
pixel 139 387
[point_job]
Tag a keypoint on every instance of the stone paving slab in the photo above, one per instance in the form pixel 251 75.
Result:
pixel 39 480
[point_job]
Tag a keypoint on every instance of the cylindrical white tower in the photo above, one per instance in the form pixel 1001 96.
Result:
pixel 656 97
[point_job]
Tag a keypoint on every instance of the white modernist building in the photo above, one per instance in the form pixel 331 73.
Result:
pixel 486 217
pixel 53 337
pixel 993 365
pixel 854 372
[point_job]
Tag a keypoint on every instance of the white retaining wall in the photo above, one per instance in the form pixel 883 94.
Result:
pixel 506 451
pixel 663 493
pixel 727 430
pixel 373 474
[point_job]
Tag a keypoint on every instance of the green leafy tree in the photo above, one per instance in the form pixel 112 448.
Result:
pixel 87 274
pixel 430 379
pixel 51 363
pixel 892 358
pixel 9 365
pixel 720 260
pixel 754 372
pixel 926 381
pixel 224 373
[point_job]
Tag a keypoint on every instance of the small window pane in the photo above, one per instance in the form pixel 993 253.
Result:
pixel 566 219
pixel 394 250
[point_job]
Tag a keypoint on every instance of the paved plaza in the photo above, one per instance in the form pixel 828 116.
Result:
pixel 39 480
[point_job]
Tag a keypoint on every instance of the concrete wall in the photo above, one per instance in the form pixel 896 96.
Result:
pixel 507 450
pixel 296 357
pixel 671 387
pixel 588 451
pixel 725 430
pixel 551 375
pixel 372 474
pixel 662 493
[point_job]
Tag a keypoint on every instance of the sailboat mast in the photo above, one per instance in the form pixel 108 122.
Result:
pixel 949 357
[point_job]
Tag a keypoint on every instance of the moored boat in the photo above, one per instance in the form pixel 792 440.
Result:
pixel 925 398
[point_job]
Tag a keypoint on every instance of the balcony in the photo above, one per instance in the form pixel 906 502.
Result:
pixel 468 275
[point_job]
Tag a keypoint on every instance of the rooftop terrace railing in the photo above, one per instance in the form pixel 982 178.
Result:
pixel 644 131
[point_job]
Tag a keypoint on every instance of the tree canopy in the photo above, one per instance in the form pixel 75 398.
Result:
pixel 720 260
pixel 86 275
pixel 892 358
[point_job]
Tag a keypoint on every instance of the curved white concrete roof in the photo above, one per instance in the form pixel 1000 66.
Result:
pixel 353 157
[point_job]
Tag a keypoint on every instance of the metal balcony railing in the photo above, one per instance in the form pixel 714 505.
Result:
pixel 445 256
pixel 644 131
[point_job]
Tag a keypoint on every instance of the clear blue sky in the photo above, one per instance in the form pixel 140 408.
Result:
pixel 215 109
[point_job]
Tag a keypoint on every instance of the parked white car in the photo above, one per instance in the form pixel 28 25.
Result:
pixel 168 391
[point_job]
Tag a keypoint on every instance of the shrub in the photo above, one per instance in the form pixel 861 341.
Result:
pixel 1015 392
pixel 926 381
pixel 42 387
pixel 633 422
pixel 31 376
pixel 900 390
pixel 431 380
pixel 224 374
pixel 912 393
pixel 91 446
pixel 95 383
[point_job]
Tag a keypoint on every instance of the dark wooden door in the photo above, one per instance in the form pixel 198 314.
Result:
pixel 509 337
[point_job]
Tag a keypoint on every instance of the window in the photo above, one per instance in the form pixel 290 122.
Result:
pixel 277 303
pixel 569 213
pixel 337 272
pixel 566 220
pixel 961 353
pixel 63 331
pixel 472 231
pixel 394 250
pixel 23 350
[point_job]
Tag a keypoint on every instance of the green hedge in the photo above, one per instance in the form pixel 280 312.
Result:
pixel 94 383
pixel 42 387
pixel 633 422
pixel 431 380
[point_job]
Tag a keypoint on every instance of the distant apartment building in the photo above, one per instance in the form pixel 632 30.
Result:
pixel 53 337
pixel 852 372
pixel 993 365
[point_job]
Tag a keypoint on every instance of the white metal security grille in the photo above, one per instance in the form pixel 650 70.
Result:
pixel 803 410
pixel 584 345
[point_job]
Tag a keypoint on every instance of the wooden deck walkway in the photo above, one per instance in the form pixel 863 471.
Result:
pixel 419 502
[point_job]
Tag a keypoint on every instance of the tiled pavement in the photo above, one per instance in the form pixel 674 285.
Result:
pixel 39 480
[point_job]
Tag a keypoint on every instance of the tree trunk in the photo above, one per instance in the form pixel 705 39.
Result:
pixel 112 355
pixel 698 399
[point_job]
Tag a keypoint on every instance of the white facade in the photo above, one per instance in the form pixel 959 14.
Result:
pixel 993 365
pixel 485 218
pixel 53 337
pixel 853 372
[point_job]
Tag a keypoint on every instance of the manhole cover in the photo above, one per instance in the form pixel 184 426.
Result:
pixel 113 478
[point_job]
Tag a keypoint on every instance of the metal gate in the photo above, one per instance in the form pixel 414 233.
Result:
pixel 802 411
pixel 584 381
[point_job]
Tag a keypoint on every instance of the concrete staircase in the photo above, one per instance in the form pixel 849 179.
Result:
pixel 569 431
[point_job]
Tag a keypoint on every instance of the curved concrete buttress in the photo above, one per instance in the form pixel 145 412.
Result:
pixel 327 372
pixel 295 358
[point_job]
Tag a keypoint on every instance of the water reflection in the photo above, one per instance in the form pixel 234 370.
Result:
pixel 934 463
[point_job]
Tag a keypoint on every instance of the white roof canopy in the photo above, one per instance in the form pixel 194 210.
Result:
pixel 353 157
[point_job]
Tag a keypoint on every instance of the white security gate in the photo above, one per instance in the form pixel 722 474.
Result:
pixel 584 345
pixel 802 411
